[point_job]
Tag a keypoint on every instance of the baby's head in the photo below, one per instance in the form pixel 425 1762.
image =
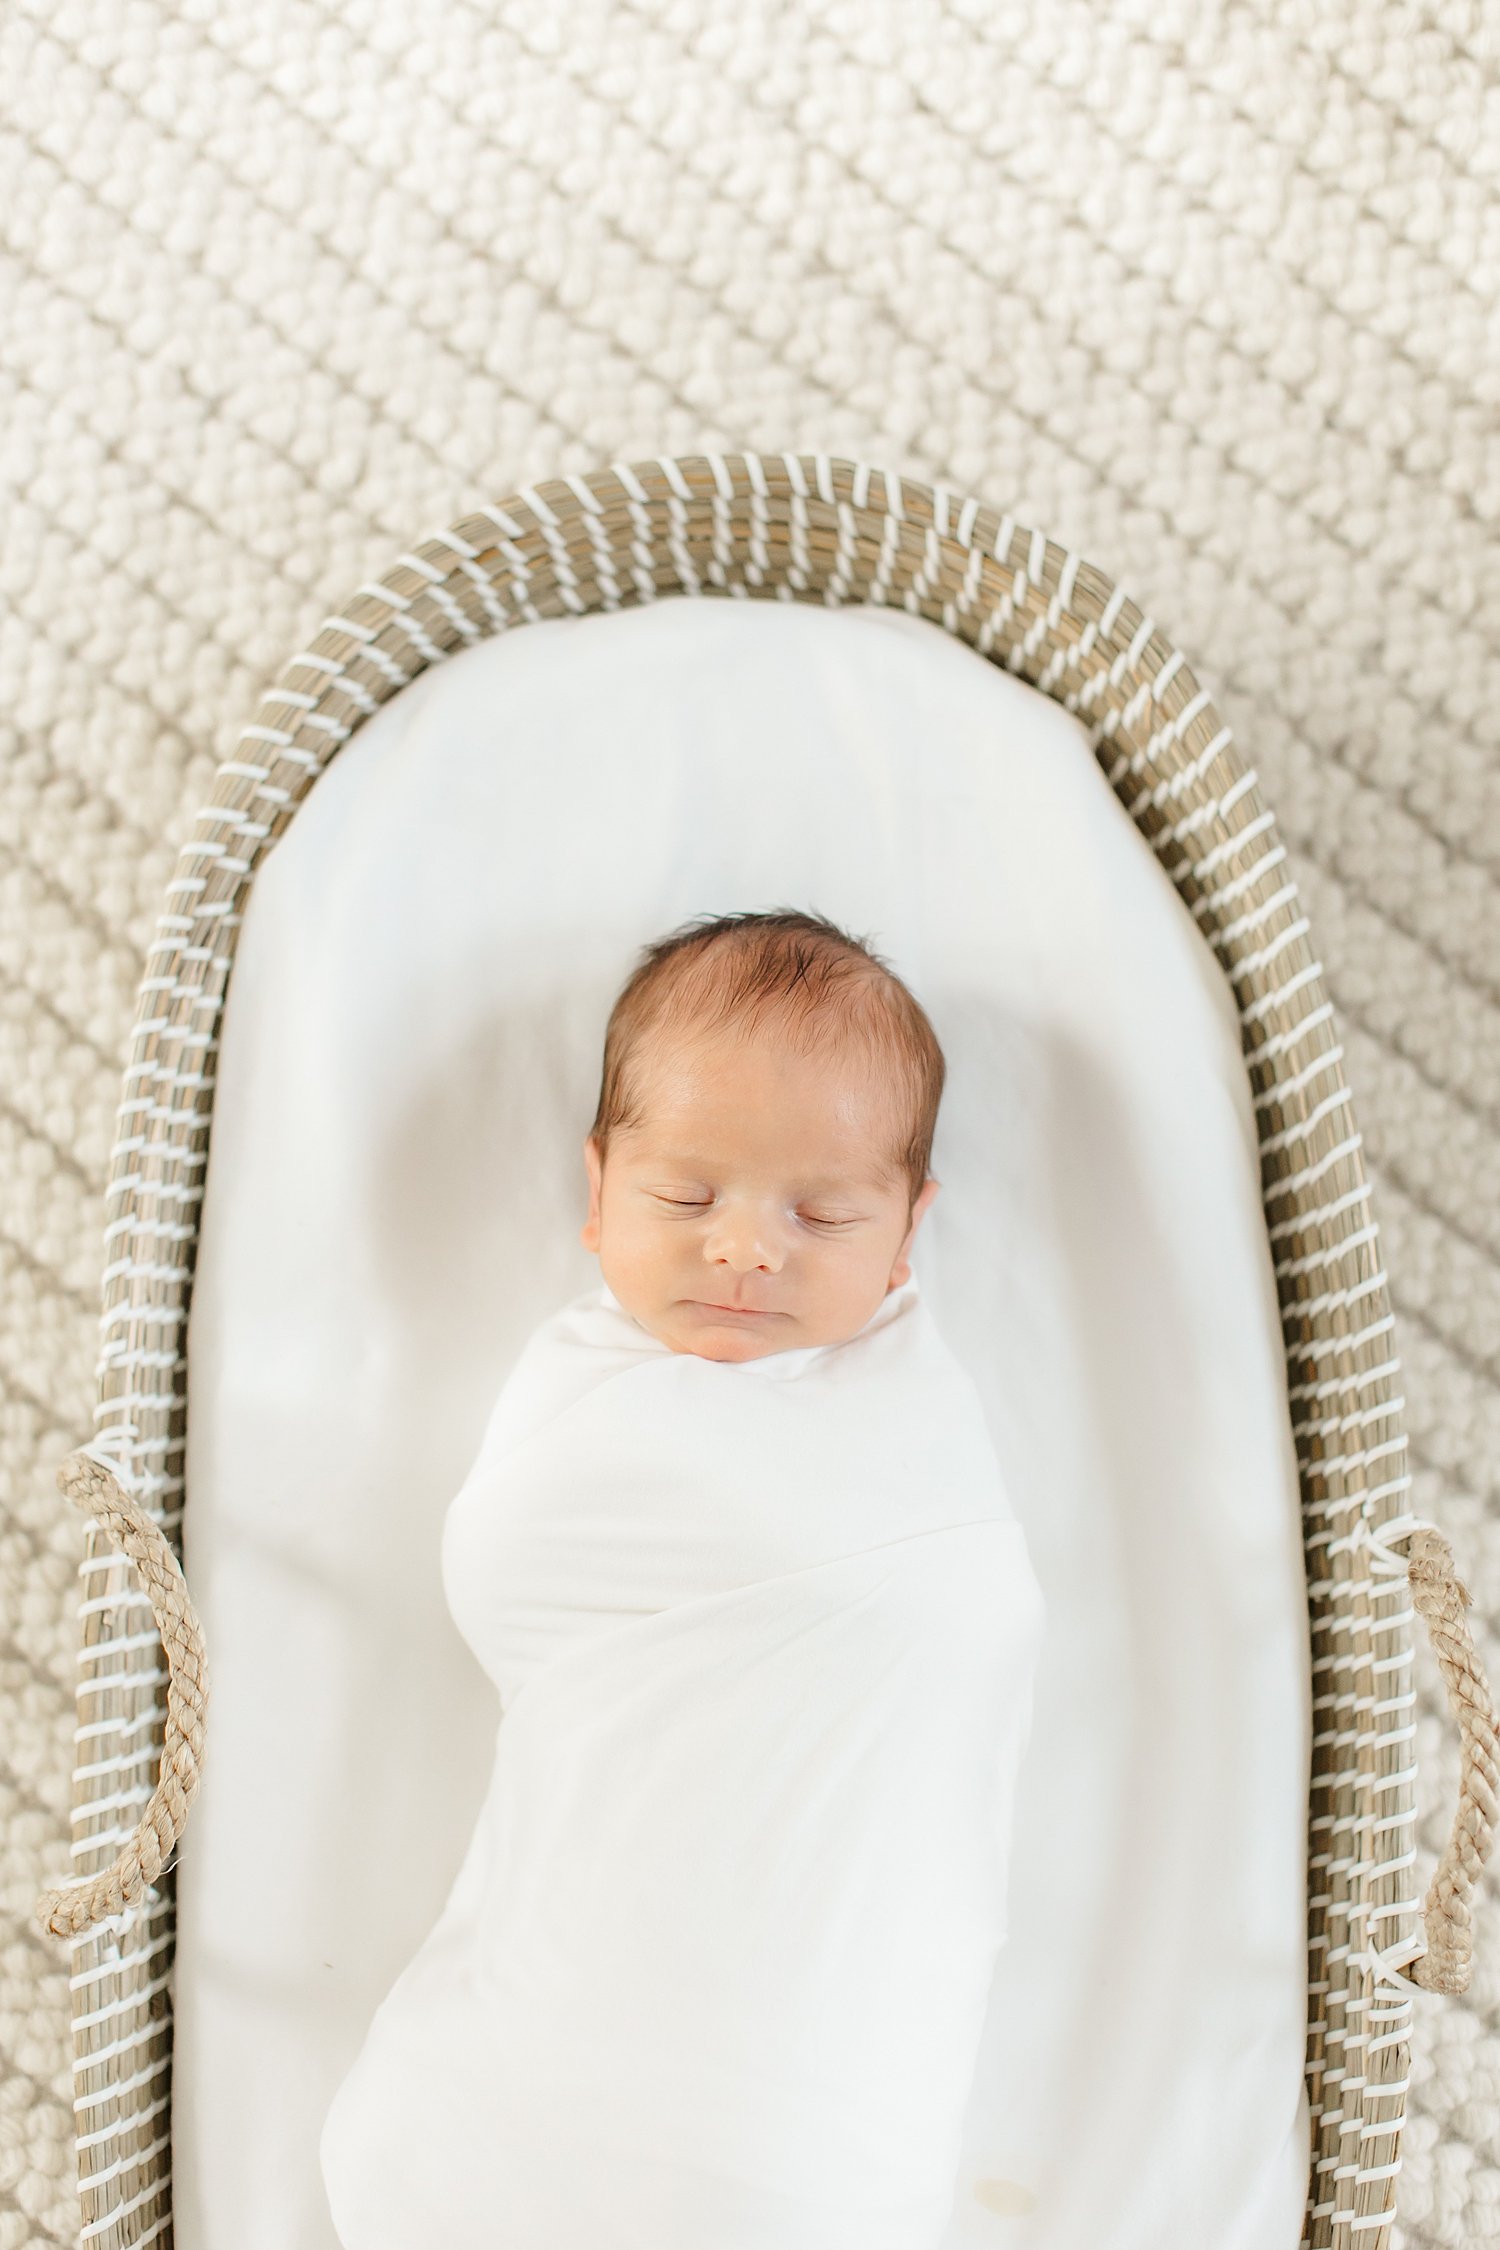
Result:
pixel 762 1137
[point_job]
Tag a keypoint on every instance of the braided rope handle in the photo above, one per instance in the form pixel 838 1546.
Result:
pixel 69 1909
pixel 1441 1596
pixel 1438 1594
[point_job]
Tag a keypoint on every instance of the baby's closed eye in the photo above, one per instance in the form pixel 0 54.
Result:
pixel 812 1219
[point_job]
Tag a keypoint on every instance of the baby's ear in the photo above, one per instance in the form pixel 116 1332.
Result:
pixel 926 1197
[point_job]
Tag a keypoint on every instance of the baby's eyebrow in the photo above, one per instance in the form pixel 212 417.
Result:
pixel 844 1180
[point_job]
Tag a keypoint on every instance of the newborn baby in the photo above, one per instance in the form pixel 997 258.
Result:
pixel 737 1554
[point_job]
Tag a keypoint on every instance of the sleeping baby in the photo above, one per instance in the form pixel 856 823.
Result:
pixel 737 1553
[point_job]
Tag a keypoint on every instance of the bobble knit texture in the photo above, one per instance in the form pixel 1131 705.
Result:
pixel 1209 293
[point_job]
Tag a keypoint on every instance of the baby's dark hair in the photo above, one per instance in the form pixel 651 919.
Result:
pixel 814 983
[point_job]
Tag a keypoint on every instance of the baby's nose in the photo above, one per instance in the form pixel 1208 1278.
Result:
pixel 751 1260
pixel 745 1242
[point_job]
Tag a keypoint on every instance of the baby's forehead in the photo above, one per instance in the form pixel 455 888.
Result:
pixel 702 1047
pixel 840 1137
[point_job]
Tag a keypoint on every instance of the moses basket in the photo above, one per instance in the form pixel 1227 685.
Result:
pixel 809 528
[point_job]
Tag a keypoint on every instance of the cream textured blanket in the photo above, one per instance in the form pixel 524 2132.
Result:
pixel 713 1972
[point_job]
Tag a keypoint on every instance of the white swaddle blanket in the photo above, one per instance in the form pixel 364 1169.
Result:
pixel 713 1973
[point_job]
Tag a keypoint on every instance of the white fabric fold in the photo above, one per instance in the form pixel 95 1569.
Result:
pixel 714 1970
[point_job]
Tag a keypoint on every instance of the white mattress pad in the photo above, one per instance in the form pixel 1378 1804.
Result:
pixel 395 1187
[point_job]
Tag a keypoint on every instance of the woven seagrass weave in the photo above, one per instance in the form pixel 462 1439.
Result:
pixel 807 528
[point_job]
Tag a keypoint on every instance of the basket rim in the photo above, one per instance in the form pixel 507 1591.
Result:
pixel 816 527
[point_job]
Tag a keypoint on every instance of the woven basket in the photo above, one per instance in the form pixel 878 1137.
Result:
pixel 792 528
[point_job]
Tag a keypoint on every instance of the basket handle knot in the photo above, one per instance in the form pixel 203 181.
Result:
pixel 1441 1597
pixel 94 1487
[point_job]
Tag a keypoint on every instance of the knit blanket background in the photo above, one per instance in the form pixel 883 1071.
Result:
pixel 1209 293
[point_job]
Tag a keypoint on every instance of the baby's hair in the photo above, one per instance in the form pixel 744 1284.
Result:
pixel 814 983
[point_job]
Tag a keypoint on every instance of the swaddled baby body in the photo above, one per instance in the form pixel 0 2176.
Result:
pixel 714 1970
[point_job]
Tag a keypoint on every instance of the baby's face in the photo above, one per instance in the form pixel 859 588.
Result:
pixel 750 1184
